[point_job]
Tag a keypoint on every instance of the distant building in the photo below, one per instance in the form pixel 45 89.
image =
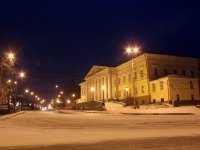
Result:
pixel 149 78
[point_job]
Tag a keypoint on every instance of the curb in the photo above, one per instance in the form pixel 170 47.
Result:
pixel 7 116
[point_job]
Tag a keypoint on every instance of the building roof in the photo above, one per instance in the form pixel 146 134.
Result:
pixel 94 70
pixel 173 76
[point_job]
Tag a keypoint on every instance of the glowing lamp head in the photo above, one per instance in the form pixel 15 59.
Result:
pixel 128 50
pixel 11 56
pixel 21 74
pixel 127 89
pixel 92 89
pixel 135 50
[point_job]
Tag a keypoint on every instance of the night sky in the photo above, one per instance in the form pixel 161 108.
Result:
pixel 58 41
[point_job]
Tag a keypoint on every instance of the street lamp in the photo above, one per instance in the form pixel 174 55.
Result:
pixel 68 101
pixel 9 98
pixel 103 88
pixel 21 75
pixel 92 91
pixel 133 51
pixel 127 89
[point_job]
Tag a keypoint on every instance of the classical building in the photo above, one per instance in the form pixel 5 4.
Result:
pixel 147 78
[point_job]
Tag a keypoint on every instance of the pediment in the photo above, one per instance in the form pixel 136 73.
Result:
pixel 94 70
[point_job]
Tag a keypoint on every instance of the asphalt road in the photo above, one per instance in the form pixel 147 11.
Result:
pixel 82 130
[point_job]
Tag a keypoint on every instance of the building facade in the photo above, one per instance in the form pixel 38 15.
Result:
pixel 140 77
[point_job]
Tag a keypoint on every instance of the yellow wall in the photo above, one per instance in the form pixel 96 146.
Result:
pixel 145 63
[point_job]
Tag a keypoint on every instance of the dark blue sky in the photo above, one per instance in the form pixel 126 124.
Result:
pixel 58 41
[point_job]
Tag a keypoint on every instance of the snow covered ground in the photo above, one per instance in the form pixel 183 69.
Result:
pixel 112 129
pixel 119 108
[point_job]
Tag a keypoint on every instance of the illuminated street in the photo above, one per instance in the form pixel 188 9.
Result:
pixel 98 130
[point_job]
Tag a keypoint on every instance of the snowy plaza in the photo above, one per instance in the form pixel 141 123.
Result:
pixel 116 128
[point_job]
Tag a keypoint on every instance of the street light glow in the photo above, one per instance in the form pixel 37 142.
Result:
pixel 132 50
pixel 92 89
pixel 11 56
pixel 68 101
pixel 103 87
pixel 126 89
pixel 21 74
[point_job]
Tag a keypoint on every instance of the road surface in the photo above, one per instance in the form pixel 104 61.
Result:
pixel 92 130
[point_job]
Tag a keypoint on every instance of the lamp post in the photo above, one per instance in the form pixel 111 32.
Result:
pixel 6 63
pixel 127 89
pixel 103 102
pixel 92 92
pixel 132 51
pixel 21 75
pixel 9 94
pixel 15 94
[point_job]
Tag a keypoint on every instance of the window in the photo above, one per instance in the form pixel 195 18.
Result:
pixel 143 102
pixel 177 97
pixel 153 87
pixel 184 73
pixel 155 71
pixel 175 72
pixel 192 97
pixel 192 74
pixel 162 100
pixel 141 73
pixel 135 75
pixel 142 89
pixel 119 80
pixel 129 77
pixel 161 85
pixel 165 72
pixel 154 101
pixel 124 79
pixel 191 85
